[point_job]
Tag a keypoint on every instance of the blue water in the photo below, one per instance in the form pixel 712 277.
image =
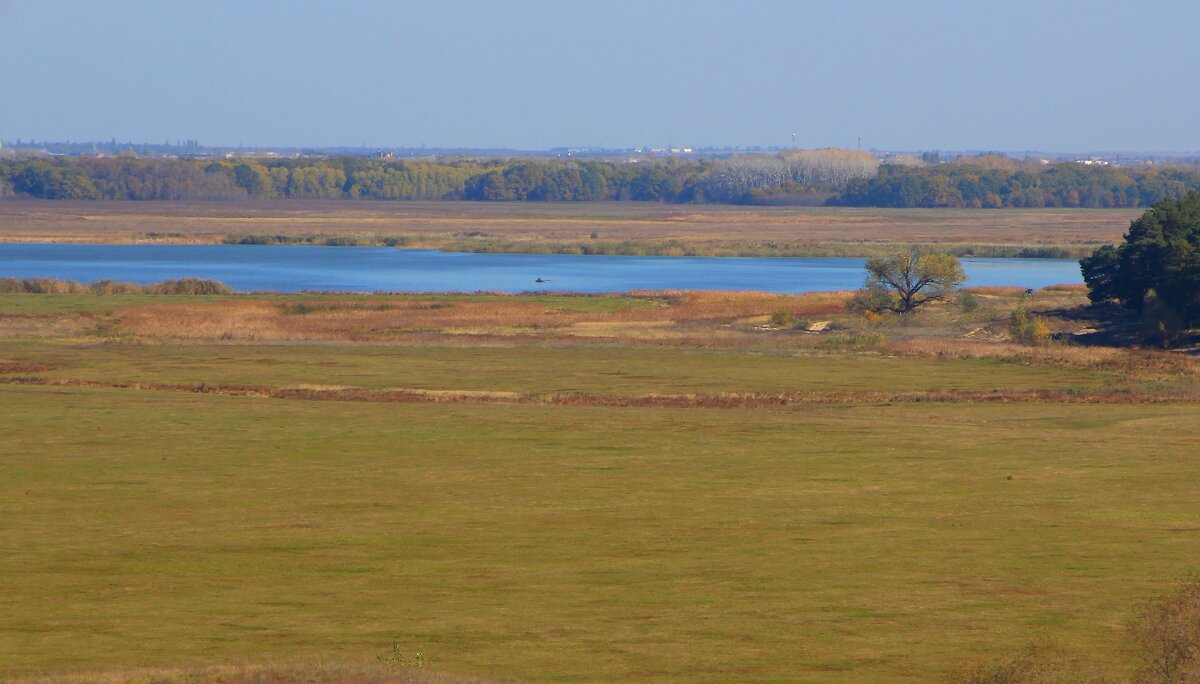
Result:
pixel 369 269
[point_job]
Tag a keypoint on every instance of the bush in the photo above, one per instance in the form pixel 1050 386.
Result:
pixel 1160 321
pixel 967 302
pixel 342 241
pixel 783 318
pixel 1026 329
pixel 1166 638
pixel 190 286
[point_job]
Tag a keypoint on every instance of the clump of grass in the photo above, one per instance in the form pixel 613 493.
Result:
pixel 853 341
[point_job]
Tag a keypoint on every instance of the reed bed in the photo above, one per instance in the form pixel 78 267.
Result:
pixel 182 286
pixel 480 243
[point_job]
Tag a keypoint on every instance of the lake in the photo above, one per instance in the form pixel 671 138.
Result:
pixel 369 269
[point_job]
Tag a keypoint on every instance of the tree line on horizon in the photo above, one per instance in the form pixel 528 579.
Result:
pixel 833 176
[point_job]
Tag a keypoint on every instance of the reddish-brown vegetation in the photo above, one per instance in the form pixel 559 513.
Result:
pixel 388 317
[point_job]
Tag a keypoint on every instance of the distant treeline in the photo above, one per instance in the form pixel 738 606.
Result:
pixel 842 177
pixel 993 181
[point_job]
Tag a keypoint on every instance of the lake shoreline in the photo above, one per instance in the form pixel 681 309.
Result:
pixel 380 269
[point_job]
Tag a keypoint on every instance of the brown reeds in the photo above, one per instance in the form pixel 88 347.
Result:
pixel 182 286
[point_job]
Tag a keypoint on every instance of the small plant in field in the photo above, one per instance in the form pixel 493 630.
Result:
pixel 1026 329
pixel 783 318
pixel 967 302
pixel 397 658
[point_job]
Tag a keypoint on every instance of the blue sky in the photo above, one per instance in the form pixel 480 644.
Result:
pixel 905 74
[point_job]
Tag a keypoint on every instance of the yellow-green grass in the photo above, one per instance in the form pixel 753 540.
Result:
pixel 536 370
pixel 849 543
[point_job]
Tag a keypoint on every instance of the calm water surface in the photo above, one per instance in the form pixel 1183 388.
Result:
pixel 369 269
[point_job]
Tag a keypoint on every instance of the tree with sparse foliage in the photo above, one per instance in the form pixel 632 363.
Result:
pixel 906 281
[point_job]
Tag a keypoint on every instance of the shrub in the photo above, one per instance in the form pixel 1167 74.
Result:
pixel 1166 638
pixel 190 286
pixel 1160 321
pixel 783 318
pixel 1026 329
pixel 967 302
pixel 342 241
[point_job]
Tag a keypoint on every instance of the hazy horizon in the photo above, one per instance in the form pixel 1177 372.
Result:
pixel 1025 76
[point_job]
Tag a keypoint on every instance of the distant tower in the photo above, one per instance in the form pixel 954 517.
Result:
pixel 793 141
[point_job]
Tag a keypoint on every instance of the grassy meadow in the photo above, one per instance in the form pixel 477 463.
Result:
pixel 649 487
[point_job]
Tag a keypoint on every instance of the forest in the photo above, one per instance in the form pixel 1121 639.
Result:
pixel 834 177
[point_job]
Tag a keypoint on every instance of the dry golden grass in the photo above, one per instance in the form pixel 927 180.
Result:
pixel 273 673
pixel 1071 288
pixel 430 223
pixel 996 291
pixel 381 318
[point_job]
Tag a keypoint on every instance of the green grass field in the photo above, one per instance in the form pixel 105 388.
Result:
pixel 857 541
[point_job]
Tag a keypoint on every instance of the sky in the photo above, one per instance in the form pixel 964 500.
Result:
pixel 1053 75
